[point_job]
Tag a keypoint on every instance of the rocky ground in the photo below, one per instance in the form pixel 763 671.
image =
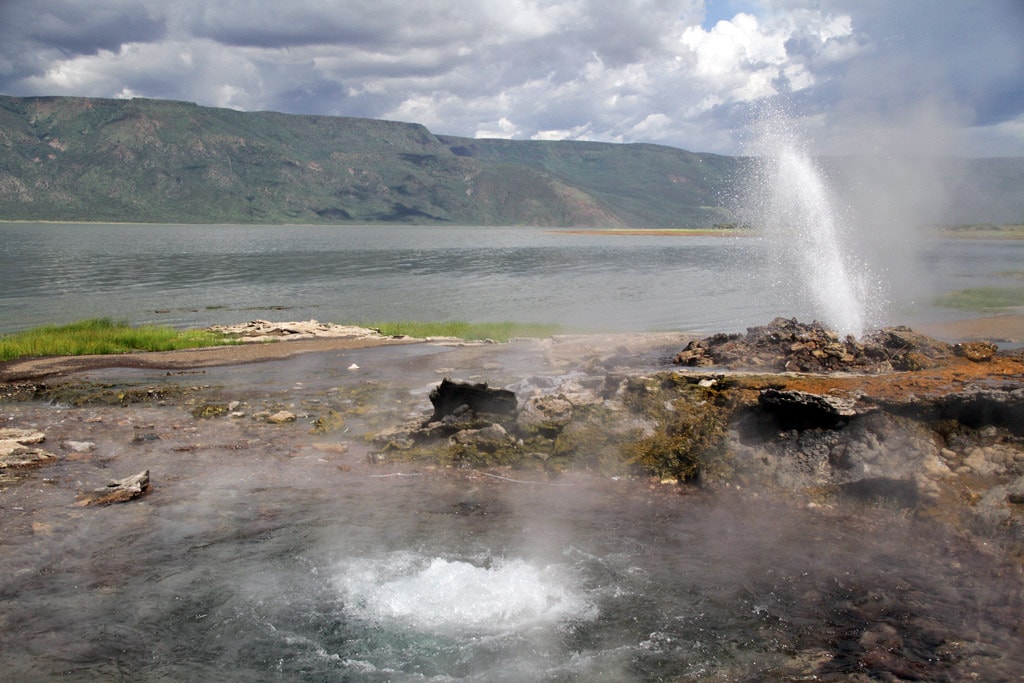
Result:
pixel 896 423
pixel 788 409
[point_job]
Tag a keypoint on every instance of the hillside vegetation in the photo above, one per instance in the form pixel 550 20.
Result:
pixel 87 159
pixel 160 161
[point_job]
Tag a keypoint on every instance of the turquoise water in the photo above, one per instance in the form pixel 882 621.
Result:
pixel 193 276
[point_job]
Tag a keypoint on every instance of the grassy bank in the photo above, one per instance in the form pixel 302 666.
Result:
pixel 500 332
pixel 984 299
pixel 983 231
pixel 104 336
pixel 101 335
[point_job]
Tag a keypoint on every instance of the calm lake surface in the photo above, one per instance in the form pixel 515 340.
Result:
pixel 194 276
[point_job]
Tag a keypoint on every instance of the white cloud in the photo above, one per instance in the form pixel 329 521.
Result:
pixel 504 129
pixel 632 70
pixel 744 59
pixel 653 127
pixel 580 132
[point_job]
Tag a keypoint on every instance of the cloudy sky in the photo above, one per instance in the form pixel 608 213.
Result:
pixel 927 74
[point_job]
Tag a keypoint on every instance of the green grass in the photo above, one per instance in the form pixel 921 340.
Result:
pixel 983 231
pixel 984 298
pixel 101 335
pixel 500 332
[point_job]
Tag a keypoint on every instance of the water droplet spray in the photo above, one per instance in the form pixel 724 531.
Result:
pixel 810 256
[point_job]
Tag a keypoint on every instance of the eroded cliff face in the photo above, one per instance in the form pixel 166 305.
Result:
pixel 943 436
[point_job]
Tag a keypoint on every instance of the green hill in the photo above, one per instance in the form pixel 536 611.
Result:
pixel 87 159
pixel 144 160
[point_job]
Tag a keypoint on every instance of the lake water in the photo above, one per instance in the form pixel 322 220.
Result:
pixel 194 276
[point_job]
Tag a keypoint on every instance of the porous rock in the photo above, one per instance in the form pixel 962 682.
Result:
pixel 17 448
pixel 977 351
pixel 789 345
pixel 117 491
pixel 491 436
pixel 802 409
pixel 449 397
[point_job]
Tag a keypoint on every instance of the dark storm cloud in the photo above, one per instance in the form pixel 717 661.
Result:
pixel 33 35
pixel 970 52
pixel 290 24
pixel 78 28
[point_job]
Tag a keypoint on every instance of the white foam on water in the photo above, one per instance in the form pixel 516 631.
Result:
pixel 436 594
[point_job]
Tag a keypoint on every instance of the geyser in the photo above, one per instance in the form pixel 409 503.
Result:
pixel 811 256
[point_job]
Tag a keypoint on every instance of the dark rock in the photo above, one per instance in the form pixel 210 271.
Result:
pixel 803 410
pixel 983 407
pixel 1015 492
pixel 901 492
pixel 792 346
pixel 449 397
pixel 143 437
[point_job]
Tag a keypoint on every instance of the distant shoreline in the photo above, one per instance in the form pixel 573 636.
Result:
pixel 669 232
pixel 970 232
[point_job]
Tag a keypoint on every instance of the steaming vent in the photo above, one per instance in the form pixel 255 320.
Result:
pixel 435 594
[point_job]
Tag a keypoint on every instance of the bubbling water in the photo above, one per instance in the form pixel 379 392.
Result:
pixel 437 594
pixel 811 254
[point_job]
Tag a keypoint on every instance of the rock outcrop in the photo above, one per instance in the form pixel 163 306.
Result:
pixel 116 491
pixel 19 448
pixel 788 345
pixel 265 330
pixel 897 418
pixel 450 398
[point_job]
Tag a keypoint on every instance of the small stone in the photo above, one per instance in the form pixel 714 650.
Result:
pixel 22 456
pixel 977 351
pixel 353 367
pixel 980 464
pixel 339 448
pixel 80 446
pixel 281 417
pixel 117 491
pixel 22 436
pixel 935 467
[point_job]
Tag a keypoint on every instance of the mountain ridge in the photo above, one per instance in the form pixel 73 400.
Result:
pixel 164 161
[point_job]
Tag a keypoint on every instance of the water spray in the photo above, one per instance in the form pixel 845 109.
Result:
pixel 811 259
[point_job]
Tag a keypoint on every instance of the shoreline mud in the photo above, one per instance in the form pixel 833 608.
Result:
pixel 265 341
